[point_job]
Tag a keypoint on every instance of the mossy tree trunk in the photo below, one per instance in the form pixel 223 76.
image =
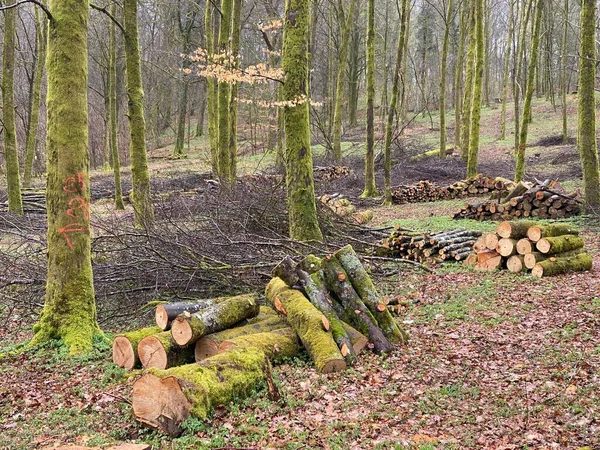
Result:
pixel 302 209
pixel 525 118
pixel 354 71
pixel 465 130
pixel 563 72
pixel 223 95
pixel 458 77
pixel 13 181
pixel 233 101
pixel 505 76
pixel 211 89
pixel 588 150
pixel 477 91
pixel 370 186
pixel 140 193
pixel 113 108
pixel 35 97
pixel 443 70
pixel 517 72
pixel 69 312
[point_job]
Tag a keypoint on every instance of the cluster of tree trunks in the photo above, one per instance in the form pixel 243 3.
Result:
pixel 454 245
pixel 427 191
pixel 344 208
pixel 330 173
pixel 547 200
pixel 33 201
pixel 521 246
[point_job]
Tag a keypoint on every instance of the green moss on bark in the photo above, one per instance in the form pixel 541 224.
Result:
pixel 282 343
pixel 223 97
pixel 112 109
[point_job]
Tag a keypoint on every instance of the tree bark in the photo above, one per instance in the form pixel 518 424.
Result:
pixel 282 343
pixel 557 266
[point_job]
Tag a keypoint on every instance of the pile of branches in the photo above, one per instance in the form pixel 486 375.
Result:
pixel 344 208
pixel 454 245
pixel 330 173
pixel 520 246
pixel 427 191
pixel 547 200
pixel 219 349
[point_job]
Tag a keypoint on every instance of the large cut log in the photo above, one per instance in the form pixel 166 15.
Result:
pixel 491 240
pixel 557 266
pixel 187 329
pixel 208 346
pixel 507 247
pixel 307 322
pixel 167 312
pixel 514 230
pixel 515 263
pixel 554 229
pixel 364 287
pixel 488 261
pixel 353 309
pixel 531 259
pixel 559 244
pixel 524 246
pixel 164 399
pixel 125 347
pixel 282 343
pixel 160 352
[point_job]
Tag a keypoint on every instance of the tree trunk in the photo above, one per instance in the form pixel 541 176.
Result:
pixel 370 186
pixel 233 101
pixel 505 76
pixel 458 80
pixel 211 90
pixel 563 72
pixel 224 91
pixel 469 79
pixel 125 347
pixel 443 71
pixel 353 76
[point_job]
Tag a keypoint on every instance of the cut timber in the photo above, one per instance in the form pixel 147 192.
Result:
pixel 187 329
pixel 479 244
pixel 352 308
pixel 507 247
pixel 359 341
pixel 559 244
pixel 163 399
pixel 524 246
pixel 281 343
pixel 305 319
pixel 488 261
pixel 471 260
pixel 555 229
pixel 286 270
pixel 125 346
pixel 364 287
pixel 557 266
pixel 515 263
pixel 160 352
pixel 531 259
pixel 518 190
pixel 208 346
pixel 310 264
pixel 491 240
pixel 515 229
pixel 166 313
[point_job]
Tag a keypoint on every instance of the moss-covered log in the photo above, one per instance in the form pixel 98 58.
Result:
pixel 282 343
pixel 188 328
pixel 531 259
pixel 310 264
pixel 208 346
pixel 166 313
pixel 125 347
pixel 557 266
pixel 160 352
pixel 559 244
pixel 307 322
pixel 538 232
pixel 514 230
pixel 364 287
pixel 163 399
pixel 286 270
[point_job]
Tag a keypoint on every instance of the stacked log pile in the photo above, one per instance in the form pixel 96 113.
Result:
pixel 427 191
pixel 454 245
pixel 547 200
pixel 330 173
pixel 206 353
pixel 522 246
pixel 344 208
pixel 34 201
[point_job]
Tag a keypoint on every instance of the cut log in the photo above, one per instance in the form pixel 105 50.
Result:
pixel 160 352
pixel 125 347
pixel 518 190
pixel 531 259
pixel 471 260
pixel 353 309
pixel 286 270
pixel 310 264
pixel 164 399
pixel 559 244
pixel 306 321
pixel 479 244
pixel 491 240
pixel 187 329
pixel 557 266
pixel 515 229
pixel 364 287
pixel 555 229
pixel 507 247
pixel 515 263
pixel 281 343
pixel 359 341
pixel 524 246
pixel 167 312
pixel 488 261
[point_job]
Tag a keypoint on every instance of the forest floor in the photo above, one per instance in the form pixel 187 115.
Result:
pixel 495 361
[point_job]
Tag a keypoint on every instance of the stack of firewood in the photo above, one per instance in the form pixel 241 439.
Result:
pixel 34 201
pixel 208 352
pixel 454 245
pixel 344 208
pixel 330 173
pixel 427 191
pixel 520 246
pixel 547 200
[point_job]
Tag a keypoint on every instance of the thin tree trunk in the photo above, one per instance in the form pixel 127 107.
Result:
pixel 370 186
pixel 113 108
pixel 519 67
pixel 469 77
pixel 443 80
pixel 233 101
pixel 211 91
pixel 505 77
pixel 224 91
pixel 563 73
pixel 353 78
pixel 458 81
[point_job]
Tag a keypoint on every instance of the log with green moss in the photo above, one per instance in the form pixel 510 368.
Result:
pixel 166 313
pixel 515 229
pixel 538 232
pixel 556 266
pixel 163 399
pixel 188 328
pixel 531 259
pixel 282 343
pixel 125 347
pixel 158 351
pixel 208 346
pixel 364 287
pixel 310 264
pixel 352 309
pixel 559 244
pixel 307 321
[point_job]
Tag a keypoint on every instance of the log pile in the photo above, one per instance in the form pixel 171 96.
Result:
pixel 522 246
pixel 454 245
pixel 344 208
pixel 206 353
pixel 547 200
pixel 34 201
pixel 330 173
pixel 427 191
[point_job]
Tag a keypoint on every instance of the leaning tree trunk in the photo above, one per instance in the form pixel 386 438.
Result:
pixel 69 311
pixel 113 108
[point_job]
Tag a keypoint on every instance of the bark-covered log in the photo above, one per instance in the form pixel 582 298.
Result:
pixel 359 341
pixel 125 347
pixel 531 259
pixel 559 244
pixel 353 309
pixel 282 343
pixel 515 229
pixel 160 352
pixel 557 266
pixel 187 329
pixel 167 312
pixel 306 320
pixel 364 287
pixel 286 270
pixel 310 264
pixel 164 399
pixel 538 232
